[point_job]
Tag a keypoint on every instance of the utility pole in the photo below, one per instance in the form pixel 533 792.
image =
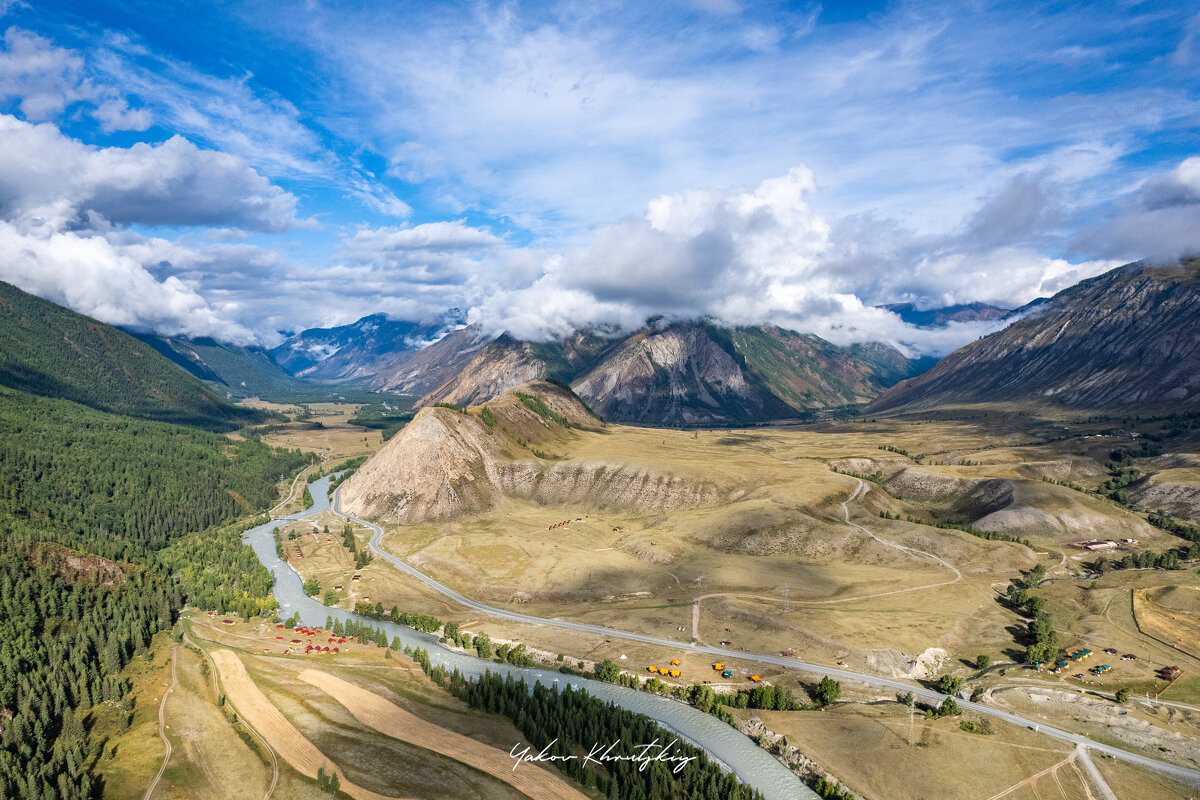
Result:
pixel 785 599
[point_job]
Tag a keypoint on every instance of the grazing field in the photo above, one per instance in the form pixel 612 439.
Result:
pixel 391 720
pixel 281 735
pixel 1171 614
pixel 132 750
pixel 322 428
pixel 209 759
pixel 902 598
pixel 780 525
pixel 896 758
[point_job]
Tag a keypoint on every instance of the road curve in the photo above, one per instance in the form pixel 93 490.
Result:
pixel 1189 776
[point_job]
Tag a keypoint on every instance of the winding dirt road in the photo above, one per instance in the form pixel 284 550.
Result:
pixel 162 727
pixel 217 693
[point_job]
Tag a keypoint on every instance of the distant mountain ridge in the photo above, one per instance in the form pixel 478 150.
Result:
pixel 941 317
pixel 238 371
pixel 360 350
pixel 1126 341
pixel 682 373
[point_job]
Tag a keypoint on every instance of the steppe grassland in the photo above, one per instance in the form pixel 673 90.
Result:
pixel 903 759
pixel 784 527
pixel 334 439
pixel 326 558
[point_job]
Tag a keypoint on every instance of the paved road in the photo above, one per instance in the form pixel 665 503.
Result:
pixel 1190 776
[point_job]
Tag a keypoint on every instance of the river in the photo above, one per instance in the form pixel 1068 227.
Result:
pixel 749 762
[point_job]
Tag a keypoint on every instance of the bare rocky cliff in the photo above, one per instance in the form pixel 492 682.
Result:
pixel 448 462
pixel 677 373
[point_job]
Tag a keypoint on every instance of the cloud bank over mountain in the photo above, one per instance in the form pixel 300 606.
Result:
pixel 547 167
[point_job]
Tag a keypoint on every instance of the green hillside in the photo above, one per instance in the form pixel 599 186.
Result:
pixel 108 525
pixel 51 351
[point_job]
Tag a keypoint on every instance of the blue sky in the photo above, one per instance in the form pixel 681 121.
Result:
pixel 234 169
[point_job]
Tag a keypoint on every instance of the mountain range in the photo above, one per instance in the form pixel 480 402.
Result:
pixel 1126 341
pixel 360 350
pixel 941 317
pixel 693 373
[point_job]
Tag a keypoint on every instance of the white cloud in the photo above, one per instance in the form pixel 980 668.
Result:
pixel 90 275
pixel 48 176
pixel 764 255
pixel 446 254
pixel 1159 220
pixel 46 80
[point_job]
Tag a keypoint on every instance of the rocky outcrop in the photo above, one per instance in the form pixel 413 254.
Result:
pixel 496 368
pixel 426 370
pixel 1177 499
pixel 1128 340
pixel 679 375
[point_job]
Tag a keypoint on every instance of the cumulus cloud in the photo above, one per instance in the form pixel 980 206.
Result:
pixel 1160 220
pixel 48 175
pixel 64 212
pixel 87 273
pixel 765 255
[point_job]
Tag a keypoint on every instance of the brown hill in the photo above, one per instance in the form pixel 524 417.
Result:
pixel 450 461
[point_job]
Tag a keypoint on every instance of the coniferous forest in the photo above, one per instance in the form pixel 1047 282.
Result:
pixel 571 720
pixel 108 525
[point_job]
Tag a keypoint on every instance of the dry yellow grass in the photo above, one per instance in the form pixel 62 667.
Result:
pixel 896 759
pixel 1176 624
pixel 282 736
pixel 391 720
pixel 335 438
pixel 133 754
pixel 209 760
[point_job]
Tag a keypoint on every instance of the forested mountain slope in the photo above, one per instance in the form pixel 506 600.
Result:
pixel 49 350
pixel 108 525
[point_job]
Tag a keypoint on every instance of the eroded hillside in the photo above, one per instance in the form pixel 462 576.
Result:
pixel 450 461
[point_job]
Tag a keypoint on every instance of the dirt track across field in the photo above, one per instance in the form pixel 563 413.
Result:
pixel 387 718
pixel 249 701
pixel 162 727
